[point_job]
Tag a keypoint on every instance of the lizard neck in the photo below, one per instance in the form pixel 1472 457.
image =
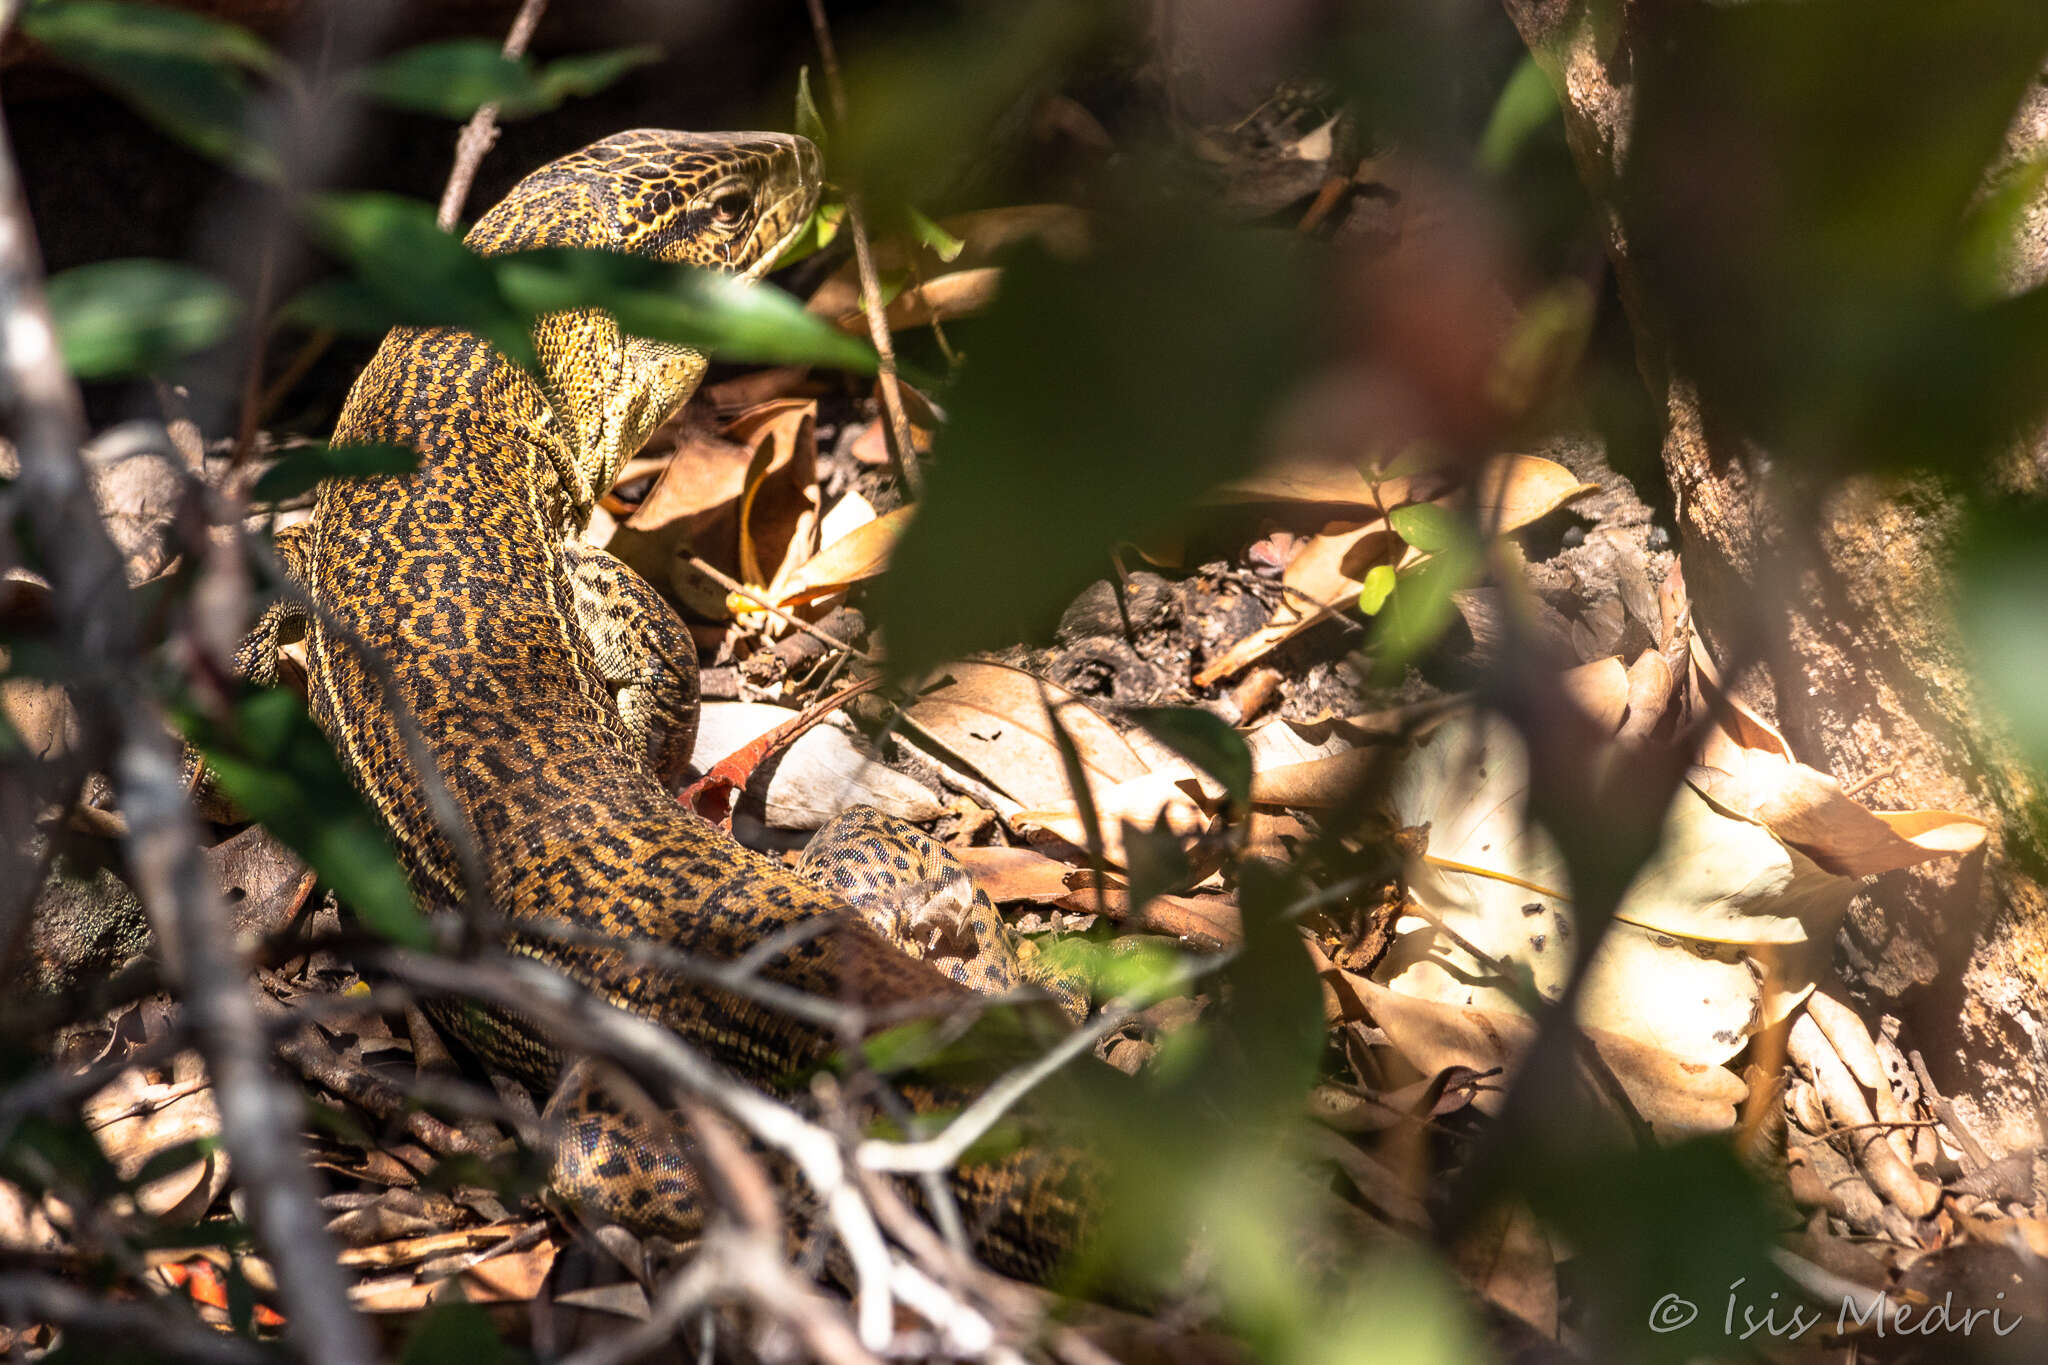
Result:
pixel 606 392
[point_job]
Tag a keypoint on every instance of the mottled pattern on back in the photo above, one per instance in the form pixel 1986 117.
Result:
pixel 540 700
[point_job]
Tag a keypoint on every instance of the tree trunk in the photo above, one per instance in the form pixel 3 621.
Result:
pixel 1839 591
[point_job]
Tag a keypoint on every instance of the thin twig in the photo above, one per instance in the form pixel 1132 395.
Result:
pixel 901 451
pixel 103 636
pixel 731 584
pixel 481 132
pixel 567 1010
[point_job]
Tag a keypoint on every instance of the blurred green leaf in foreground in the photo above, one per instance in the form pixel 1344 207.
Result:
pixel 456 78
pixel 130 316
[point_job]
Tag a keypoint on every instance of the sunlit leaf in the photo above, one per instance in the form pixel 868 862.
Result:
pixel 1379 585
pixel 943 243
pixel 184 72
pixel 306 466
pixel 819 231
pixel 1428 527
pixel 271 759
pixel 131 316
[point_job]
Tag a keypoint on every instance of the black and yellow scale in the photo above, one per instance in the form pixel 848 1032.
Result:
pixel 557 692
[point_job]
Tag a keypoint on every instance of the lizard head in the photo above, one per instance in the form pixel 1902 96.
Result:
pixel 721 201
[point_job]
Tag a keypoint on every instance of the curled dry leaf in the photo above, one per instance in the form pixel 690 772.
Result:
pixel 853 557
pixel 1746 766
pixel 514 1277
pixel 956 294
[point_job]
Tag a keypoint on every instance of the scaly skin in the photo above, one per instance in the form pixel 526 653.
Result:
pixel 458 575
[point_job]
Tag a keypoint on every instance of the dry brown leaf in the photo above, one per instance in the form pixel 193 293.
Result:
pixel 1600 689
pixel 1184 798
pixel 1746 766
pixel 264 882
pixel 1512 491
pixel 955 294
pixel 1318 784
pixel 514 1277
pixel 994 717
pixel 703 474
pixel 1508 1259
pixel 1678 1098
pixel 985 234
pixel 1715 936
pixel 821 774
pixel 135 1119
pixel 1321 482
pixel 1323 578
pixel 1008 875
pixel 855 557
pixel 778 495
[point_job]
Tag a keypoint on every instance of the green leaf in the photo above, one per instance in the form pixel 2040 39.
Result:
pixel 306 466
pixel 1420 608
pixel 818 232
pixel 1097 410
pixel 408 272
pixel 154 30
pixel 1379 584
pixel 808 123
pixel 1147 968
pixel 1428 527
pixel 183 72
pixel 453 79
pixel 2002 580
pixel 456 78
pixel 1208 742
pixel 130 316
pixel 943 243
pixel 271 759
pixel 1526 104
pixel 588 73
pixel 701 309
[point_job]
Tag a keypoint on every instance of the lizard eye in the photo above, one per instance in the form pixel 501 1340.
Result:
pixel 729 207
